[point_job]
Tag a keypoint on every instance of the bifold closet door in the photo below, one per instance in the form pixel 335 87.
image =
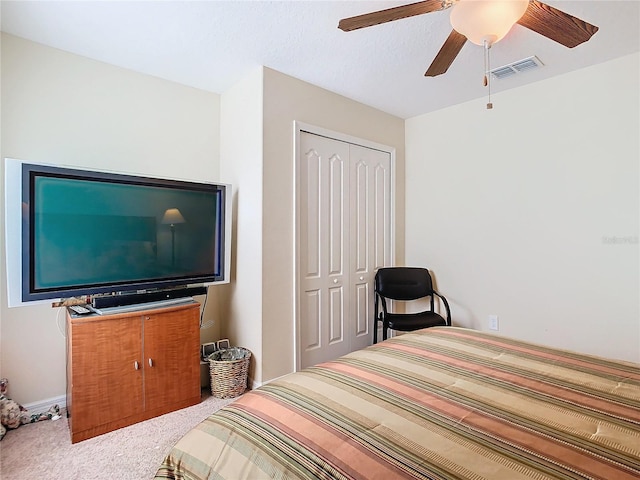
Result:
pixel 370 235
pixel 344 235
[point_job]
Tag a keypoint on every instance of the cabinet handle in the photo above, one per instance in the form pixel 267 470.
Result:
pixel 136 365
pixel 361 278
pixel 150 362
pixel 335 280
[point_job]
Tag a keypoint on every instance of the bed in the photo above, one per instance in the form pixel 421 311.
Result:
pixel 440 403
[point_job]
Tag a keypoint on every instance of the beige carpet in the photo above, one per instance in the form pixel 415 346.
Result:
pixel 44 451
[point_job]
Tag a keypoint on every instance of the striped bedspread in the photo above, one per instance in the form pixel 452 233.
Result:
pixel 442 403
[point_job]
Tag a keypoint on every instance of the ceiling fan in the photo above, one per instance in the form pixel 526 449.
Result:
pixel 483 22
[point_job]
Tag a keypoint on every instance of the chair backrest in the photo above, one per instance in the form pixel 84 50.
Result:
pixel 403 283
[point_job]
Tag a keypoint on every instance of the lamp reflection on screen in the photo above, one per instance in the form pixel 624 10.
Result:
pixel 172 217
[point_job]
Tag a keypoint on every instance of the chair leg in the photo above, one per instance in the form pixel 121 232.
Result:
pixel 375 330
pixel 384 330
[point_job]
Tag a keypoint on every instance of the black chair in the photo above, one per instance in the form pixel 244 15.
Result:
pixel 405 284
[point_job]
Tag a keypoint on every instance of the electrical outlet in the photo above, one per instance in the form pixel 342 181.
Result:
pixel 493 322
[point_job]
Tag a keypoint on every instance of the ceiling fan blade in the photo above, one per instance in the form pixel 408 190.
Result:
pixel 391 14
pixel 447 54
pixel 556 25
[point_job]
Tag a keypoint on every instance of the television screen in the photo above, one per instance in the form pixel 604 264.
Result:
pixel 87 232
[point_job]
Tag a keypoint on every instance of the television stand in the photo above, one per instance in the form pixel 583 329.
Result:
pixel 126 367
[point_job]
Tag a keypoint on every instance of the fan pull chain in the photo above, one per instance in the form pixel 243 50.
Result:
pixel 487 68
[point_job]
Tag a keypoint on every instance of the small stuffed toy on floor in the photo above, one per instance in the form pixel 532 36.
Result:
pixel 12 414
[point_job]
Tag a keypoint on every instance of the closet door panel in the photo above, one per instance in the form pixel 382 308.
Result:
pixel 370 233
pixel 381 231
pixel 323 303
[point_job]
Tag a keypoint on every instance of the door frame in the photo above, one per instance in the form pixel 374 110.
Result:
pixel 298 128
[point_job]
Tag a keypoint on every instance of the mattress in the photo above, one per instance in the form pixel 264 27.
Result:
pixel 441 403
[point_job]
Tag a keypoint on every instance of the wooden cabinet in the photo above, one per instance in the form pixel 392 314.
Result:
pixel 128 367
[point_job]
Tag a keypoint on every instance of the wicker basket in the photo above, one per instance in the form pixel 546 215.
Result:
pixel 229 377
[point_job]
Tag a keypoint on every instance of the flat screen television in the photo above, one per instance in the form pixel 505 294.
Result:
pixel 85 232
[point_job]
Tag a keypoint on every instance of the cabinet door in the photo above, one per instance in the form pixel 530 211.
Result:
pixel 172 357
pixel 106 358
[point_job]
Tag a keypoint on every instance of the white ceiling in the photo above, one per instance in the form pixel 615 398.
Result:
pixel 212 44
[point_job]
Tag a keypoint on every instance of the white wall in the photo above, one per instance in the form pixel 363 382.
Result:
pixel 257 118
pixel 65 109
pixel 241 164
pixel 287 99
pixel 516 209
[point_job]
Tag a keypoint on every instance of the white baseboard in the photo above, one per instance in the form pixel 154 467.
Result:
pixel 44 405
pixel 253 384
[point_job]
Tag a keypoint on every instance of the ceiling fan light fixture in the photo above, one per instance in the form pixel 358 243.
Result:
pixel 485 22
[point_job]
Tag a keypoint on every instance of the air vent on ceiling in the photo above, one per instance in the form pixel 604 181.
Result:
pixel 519 66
